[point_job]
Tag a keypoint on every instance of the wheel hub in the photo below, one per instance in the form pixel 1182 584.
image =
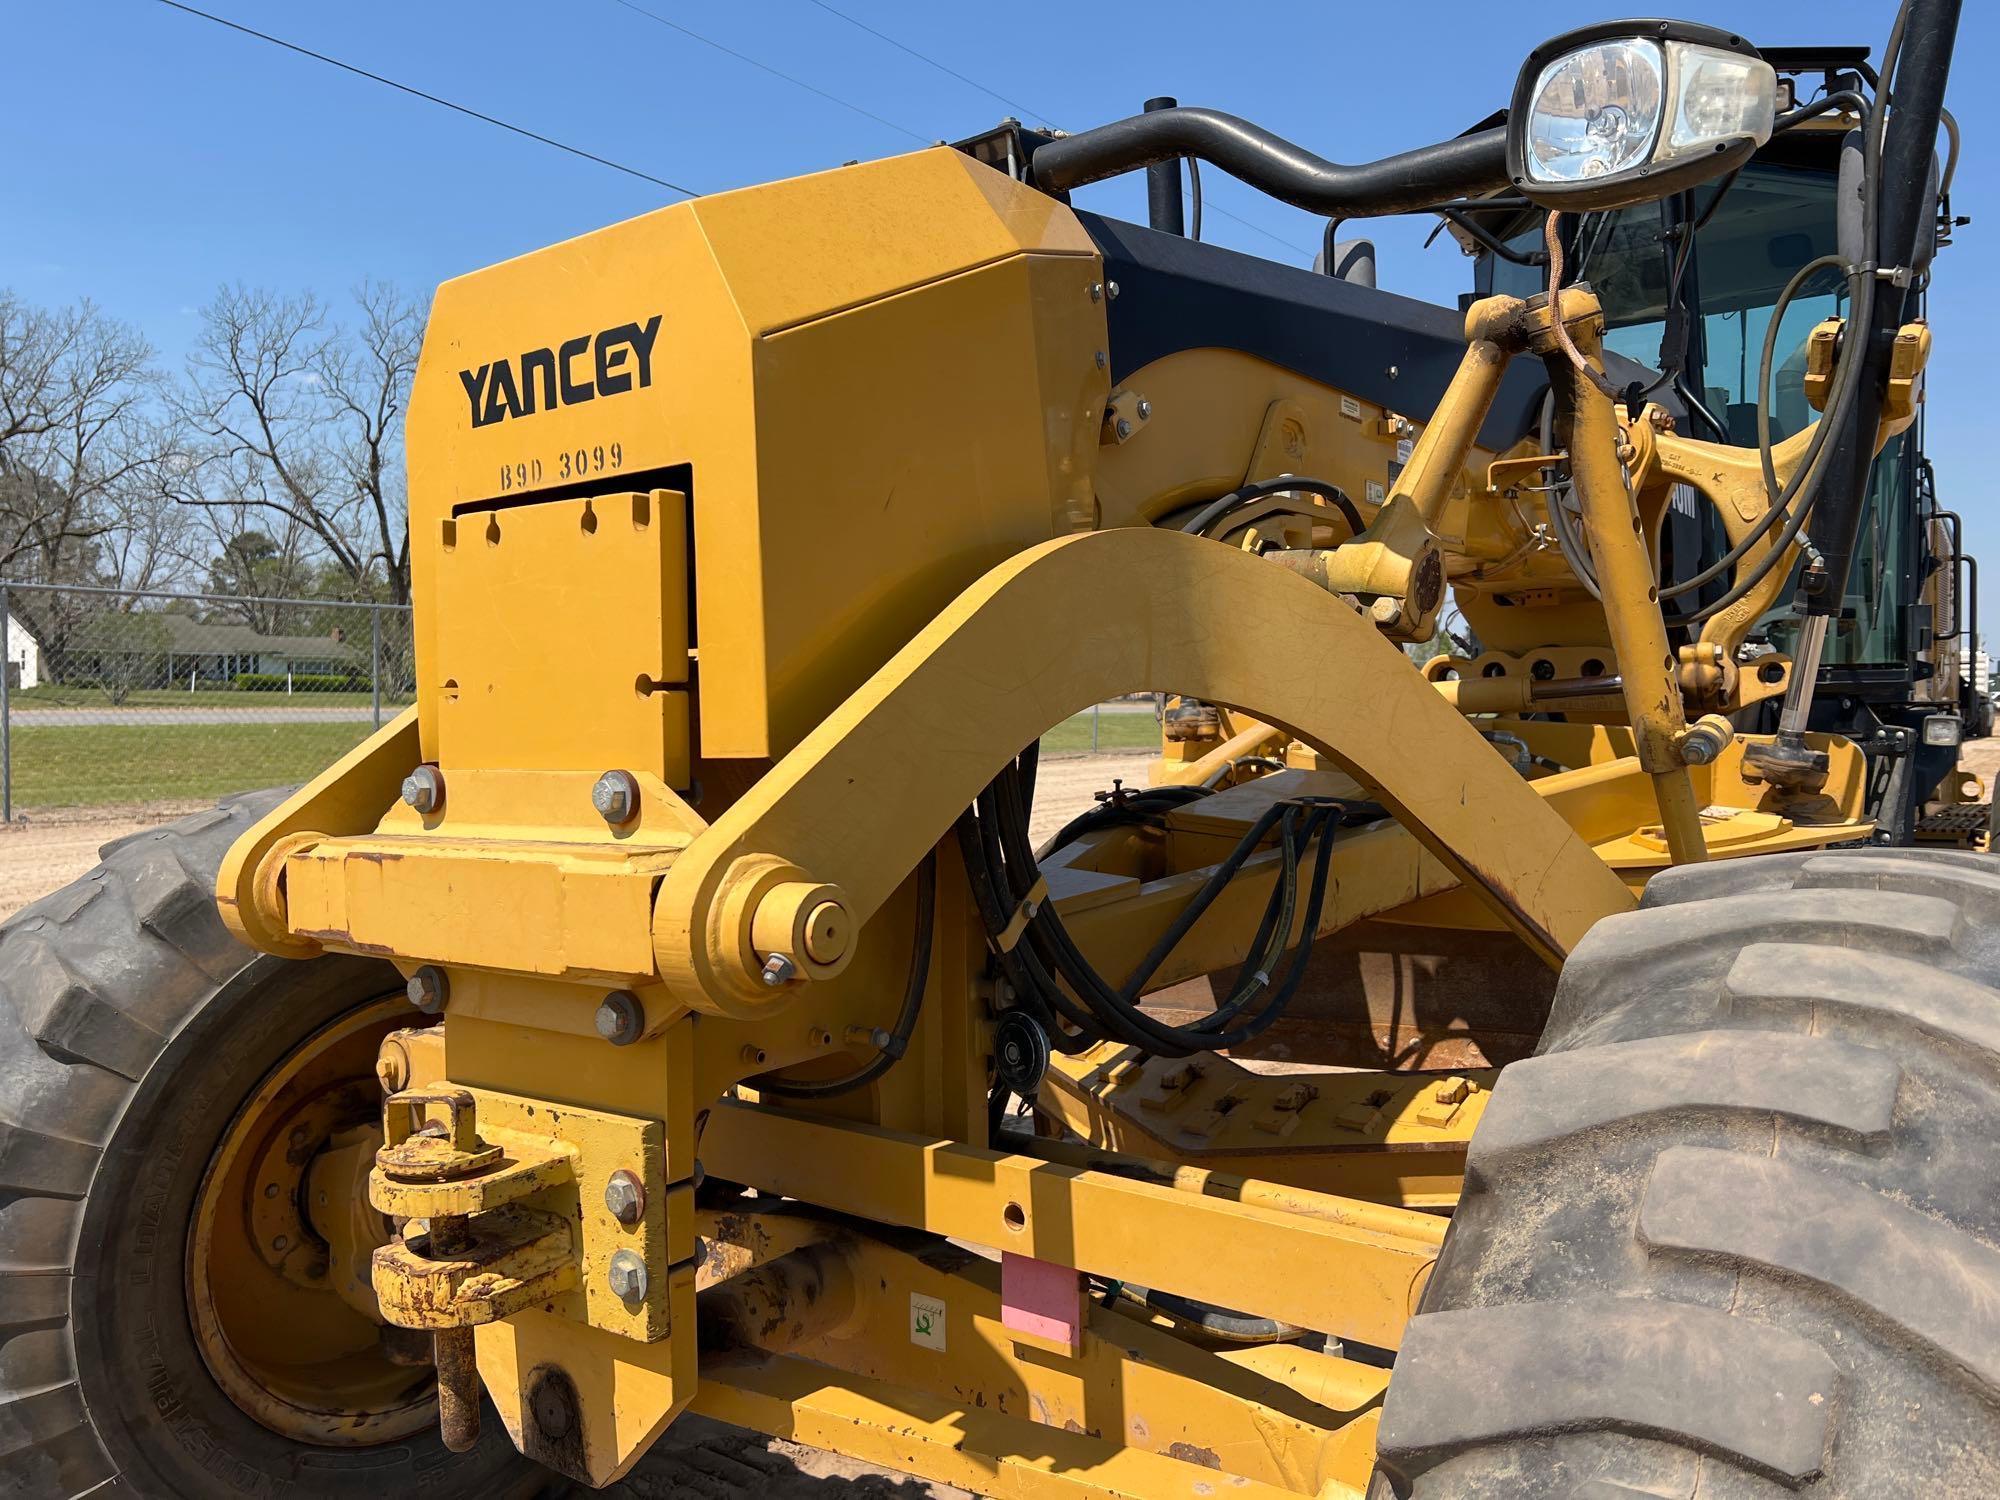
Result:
pixel 280 1245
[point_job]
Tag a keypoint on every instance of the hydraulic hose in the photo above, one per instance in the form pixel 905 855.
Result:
pixel 1466 166
pixel 1052 980
pixel 1261 489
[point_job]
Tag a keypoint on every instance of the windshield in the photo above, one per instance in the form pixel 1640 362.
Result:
pixel 1774 219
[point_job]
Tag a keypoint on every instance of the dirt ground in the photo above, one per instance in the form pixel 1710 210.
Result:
pixel 1982 758
pixel 43 852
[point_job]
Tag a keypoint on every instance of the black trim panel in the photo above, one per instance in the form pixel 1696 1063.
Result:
pixel 1176 294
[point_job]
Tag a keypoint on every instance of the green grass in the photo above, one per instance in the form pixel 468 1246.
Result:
pixel 94 765
pixel 102 764
pixel 1115 731
pixel 55 696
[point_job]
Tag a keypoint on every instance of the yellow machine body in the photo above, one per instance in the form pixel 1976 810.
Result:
pixel 794 361
pixel 803 509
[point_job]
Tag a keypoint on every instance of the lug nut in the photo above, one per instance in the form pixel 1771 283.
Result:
pixel 621 1019
pixel 778 968
pixel 423 789
pixel 625 1197
pixel 428 989
pixel 616 797
pixel 627 1276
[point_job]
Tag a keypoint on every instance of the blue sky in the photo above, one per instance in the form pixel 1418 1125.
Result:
pixel 157 156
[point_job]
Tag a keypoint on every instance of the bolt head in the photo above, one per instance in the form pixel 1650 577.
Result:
pixel 1100 359
pixel 1097 291
pixel 625 1198
pixel 1111 291
pixel 428 989
pixel 1124 428
pixel 1145 410
pixel 778 969
pixel 423 789
pixel 616 797
pixel 627 1276
pixel 621 1019
pixel 554 1409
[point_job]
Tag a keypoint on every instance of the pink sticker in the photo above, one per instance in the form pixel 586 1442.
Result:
pixel 1041 1299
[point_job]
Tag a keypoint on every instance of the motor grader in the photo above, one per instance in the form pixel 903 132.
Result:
pixel 671 1012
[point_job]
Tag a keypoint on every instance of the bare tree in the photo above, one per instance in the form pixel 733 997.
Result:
pixel 368 376
pixel 74 434
pixel 301 420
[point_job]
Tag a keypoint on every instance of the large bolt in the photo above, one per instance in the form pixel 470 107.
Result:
pixel 621 1019
pixel 625 1197
pixel 423 789
pixel 392 1066
pixel 616 797
pixel 428 989
pixel 826 932
pixel 627 1276
pixel 1705 739
pixel 1697 751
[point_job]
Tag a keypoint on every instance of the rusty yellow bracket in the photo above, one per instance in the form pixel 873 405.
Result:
pixel 1394 1138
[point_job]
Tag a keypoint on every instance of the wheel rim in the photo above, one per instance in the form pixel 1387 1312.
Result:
pixel 277 1251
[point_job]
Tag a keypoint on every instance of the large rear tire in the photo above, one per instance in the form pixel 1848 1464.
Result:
pixel 1734 1231
pixel 137 1038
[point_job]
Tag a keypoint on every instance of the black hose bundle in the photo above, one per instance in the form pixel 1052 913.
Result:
pixel 1051 979
pixel 1126 809
pixel 1260 489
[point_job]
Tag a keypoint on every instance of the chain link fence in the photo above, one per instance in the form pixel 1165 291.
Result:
pixel 145 700
pixel 145 703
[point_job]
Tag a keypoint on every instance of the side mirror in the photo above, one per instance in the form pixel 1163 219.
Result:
pixel 1627 112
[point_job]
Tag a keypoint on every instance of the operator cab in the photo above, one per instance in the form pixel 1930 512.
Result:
pixel 1688 285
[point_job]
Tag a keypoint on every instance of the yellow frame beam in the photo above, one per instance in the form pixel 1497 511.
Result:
pixel 948 1441
pixel 1277 1414
pixel 854 807
pixel 1215 1238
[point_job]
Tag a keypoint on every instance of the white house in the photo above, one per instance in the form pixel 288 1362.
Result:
pixel 24 655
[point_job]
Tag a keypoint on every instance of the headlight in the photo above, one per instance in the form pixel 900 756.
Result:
pixel 1629 111
pixel 1943 729
pixel 1596 113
